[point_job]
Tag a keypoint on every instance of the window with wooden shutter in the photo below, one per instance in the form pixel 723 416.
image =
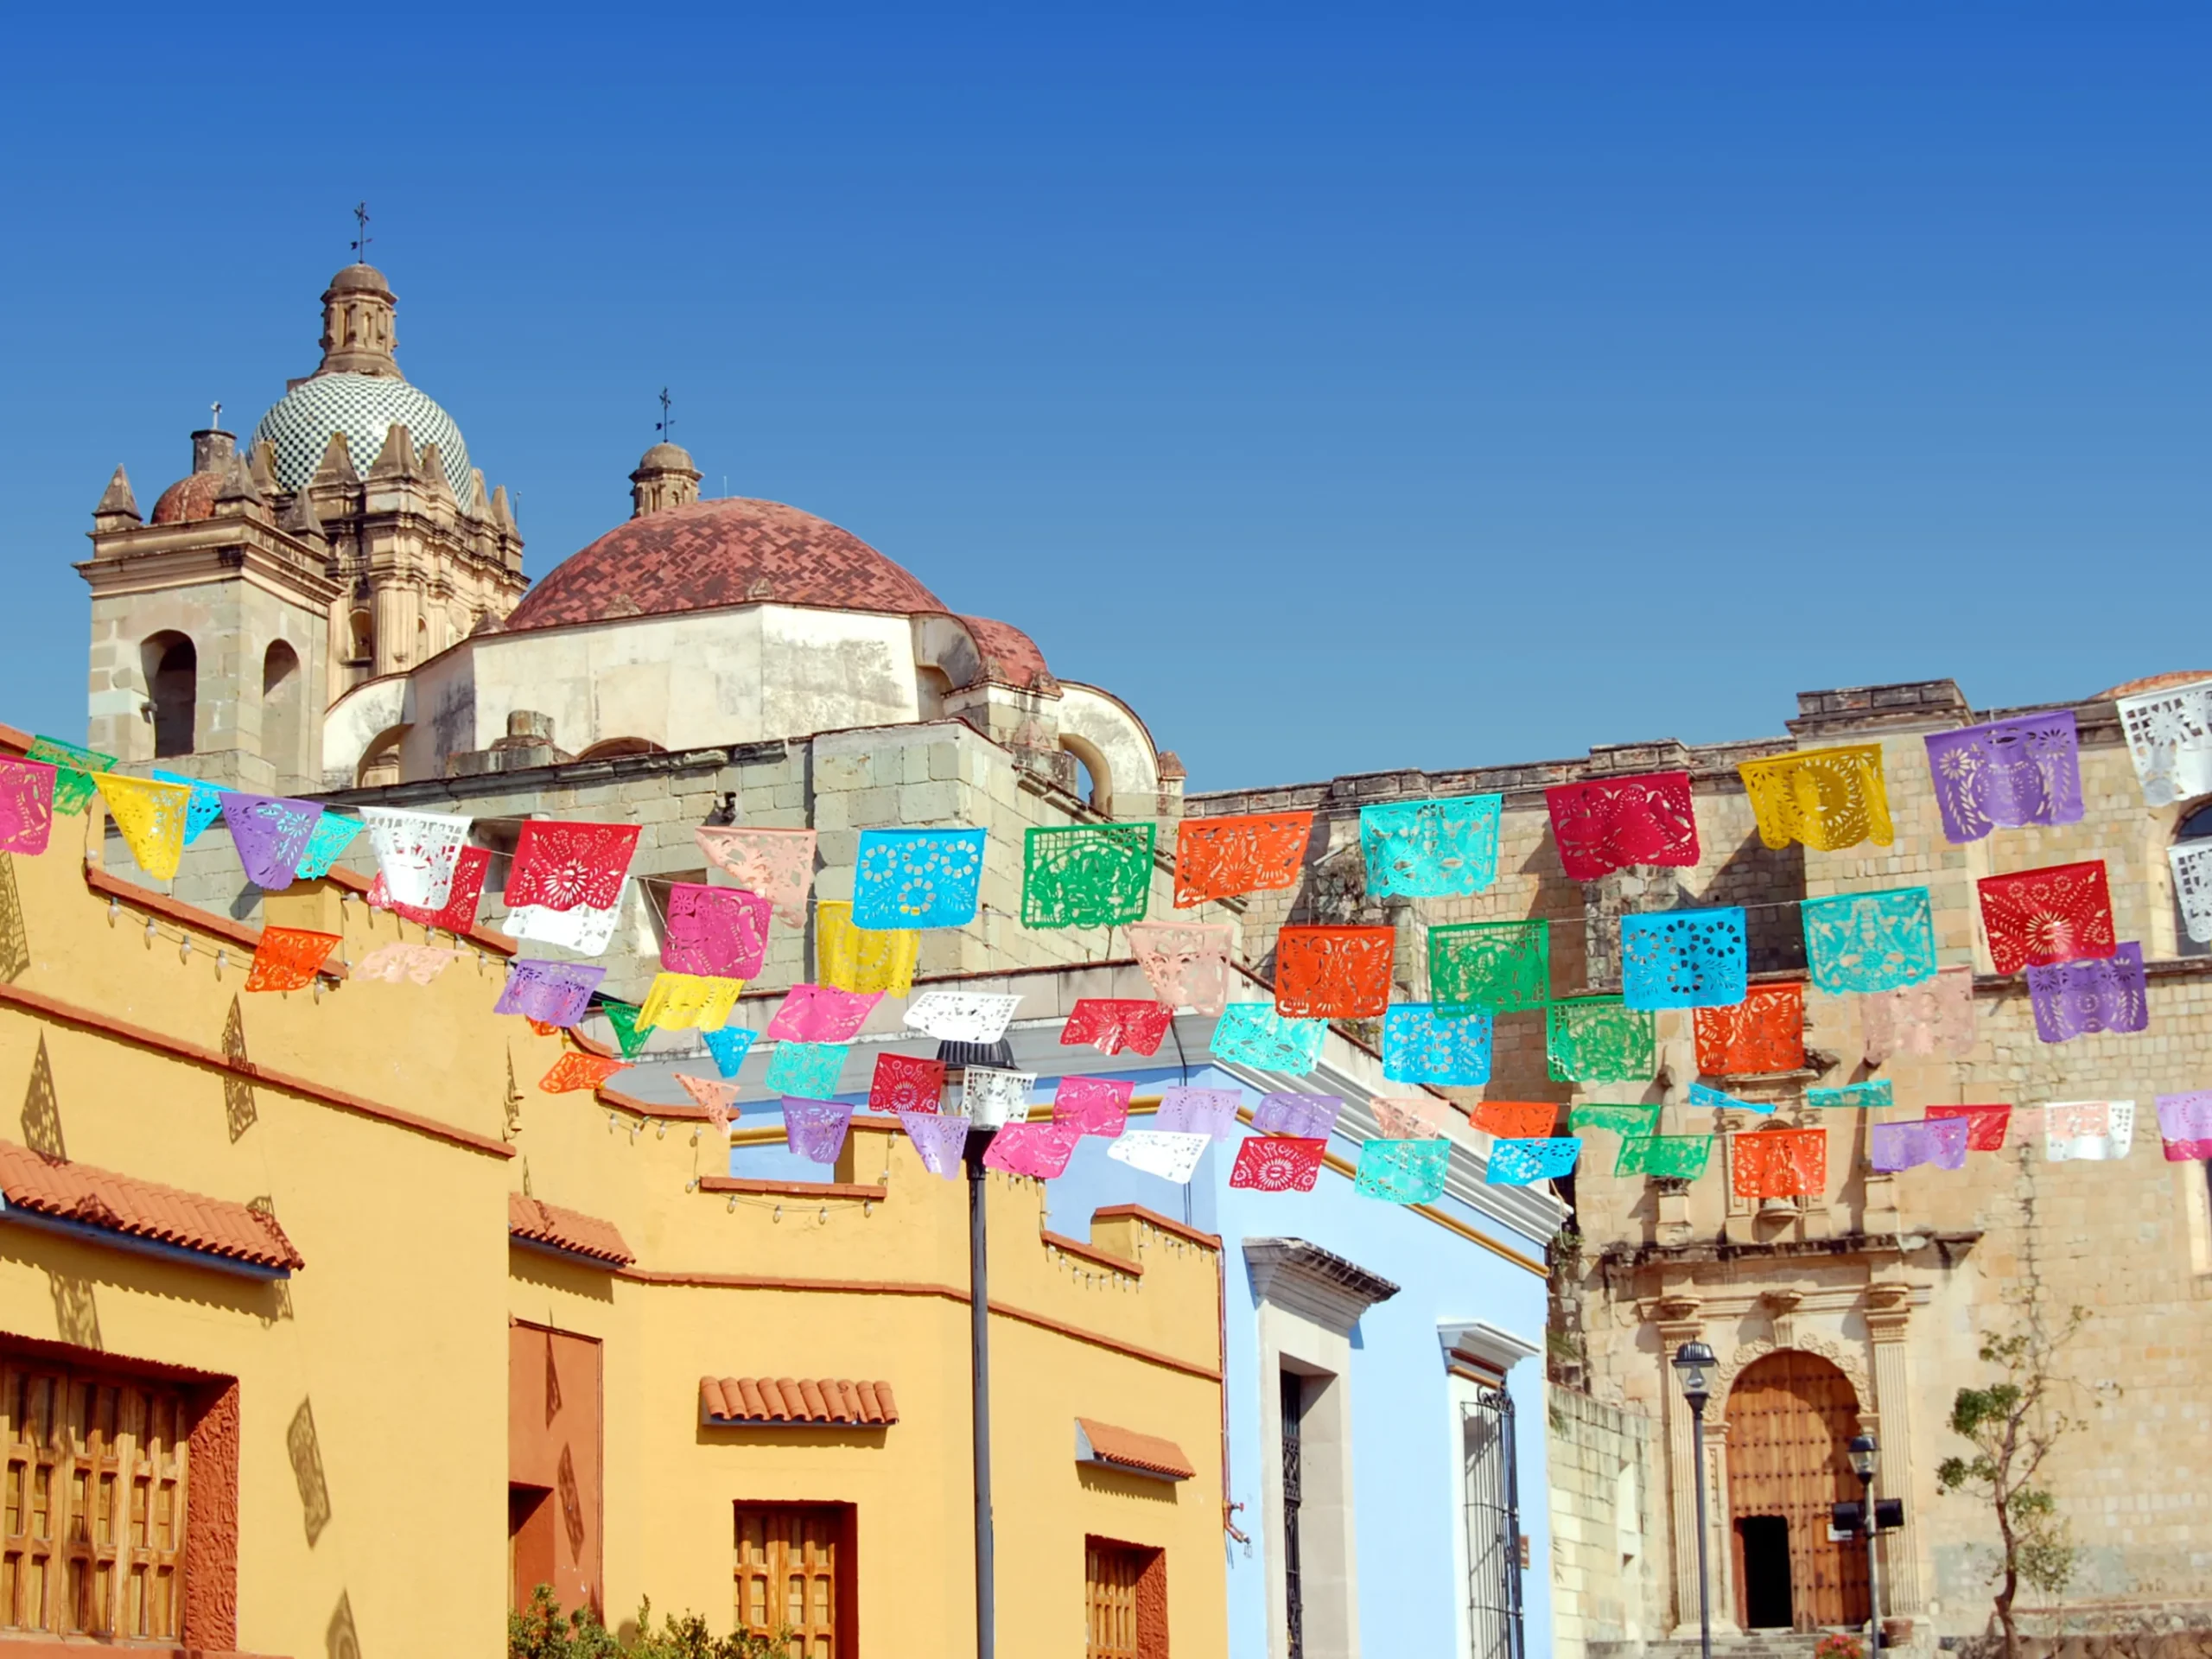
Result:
pixel 94 1496
pixel 789 1581
pixel 1125 1600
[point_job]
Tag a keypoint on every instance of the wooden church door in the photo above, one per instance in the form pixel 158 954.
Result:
pixel 1790 1419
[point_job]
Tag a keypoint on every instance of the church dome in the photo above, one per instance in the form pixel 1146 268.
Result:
pixel 364 407
pixel 190 498
pixel 708 553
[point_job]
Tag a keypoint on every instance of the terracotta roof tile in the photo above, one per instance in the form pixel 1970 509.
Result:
pixel 189 499
pixel 1124 1448
pixel 732 1400
pixel 54 1188
pixel 569 1230
pixel 1010 657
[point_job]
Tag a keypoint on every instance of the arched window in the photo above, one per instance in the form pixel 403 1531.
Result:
pixel 172 669
pixel 360 638
pixel 2192 870
pixel 281 724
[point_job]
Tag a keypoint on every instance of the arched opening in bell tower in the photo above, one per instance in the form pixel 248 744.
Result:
pixel 171 668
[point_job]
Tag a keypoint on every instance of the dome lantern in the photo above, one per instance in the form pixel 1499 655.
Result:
pixel 359 329
pixel 666 477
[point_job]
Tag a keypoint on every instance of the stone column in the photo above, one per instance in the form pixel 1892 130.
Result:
pixel 1889 1310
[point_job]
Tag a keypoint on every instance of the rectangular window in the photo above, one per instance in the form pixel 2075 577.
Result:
pixel 1125 1589
pixel 1493 1522
pixel 794 1576
pixel 1293 1482
pixel 94 1492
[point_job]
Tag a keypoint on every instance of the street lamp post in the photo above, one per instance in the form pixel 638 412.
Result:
pixel 1865 1454
pixel 1693 1363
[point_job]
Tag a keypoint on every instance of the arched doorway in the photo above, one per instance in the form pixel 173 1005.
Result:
pixel 1790 1419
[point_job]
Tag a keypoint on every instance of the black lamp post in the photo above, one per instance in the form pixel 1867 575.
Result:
pixel 1692 1365
pixel 1864 1455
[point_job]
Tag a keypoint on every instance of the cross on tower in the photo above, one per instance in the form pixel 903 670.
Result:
pixel 666 421
pixel 215 416
pixel 361 237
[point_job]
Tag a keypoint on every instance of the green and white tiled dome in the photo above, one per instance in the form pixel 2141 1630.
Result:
pixel 364 407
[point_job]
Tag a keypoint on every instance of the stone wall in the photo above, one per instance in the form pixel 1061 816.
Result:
pixel 1601 1491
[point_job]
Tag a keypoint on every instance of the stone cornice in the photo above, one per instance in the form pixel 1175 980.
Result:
pixel 170 555
pixel 1320 1284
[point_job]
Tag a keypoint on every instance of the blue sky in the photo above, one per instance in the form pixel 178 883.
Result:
pixel 1347 389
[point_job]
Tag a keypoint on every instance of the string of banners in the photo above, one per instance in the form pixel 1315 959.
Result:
pixel 567 882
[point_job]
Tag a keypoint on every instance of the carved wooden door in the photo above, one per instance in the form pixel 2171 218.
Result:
pixel 1790 1419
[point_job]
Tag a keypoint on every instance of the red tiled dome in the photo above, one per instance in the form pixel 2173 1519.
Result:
pixel 714 553
pixel 189 499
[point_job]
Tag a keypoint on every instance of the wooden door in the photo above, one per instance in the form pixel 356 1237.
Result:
pixel 1790 1419
pixel 1110 1576
pixel 787 1563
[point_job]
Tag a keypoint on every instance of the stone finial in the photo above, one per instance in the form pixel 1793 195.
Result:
pixel 212 449
pixel 434 474
pixel 336 465
pixel 119 507
pixel 397 459
pixel 261 466
pixel 502 514
pixel 666 477
pixel 300 520
pixel 479 496
pixel 237 494
pixel 359 328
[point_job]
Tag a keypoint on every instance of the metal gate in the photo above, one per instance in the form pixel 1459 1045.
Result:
pixel 1294 1482
pixel 1493 1516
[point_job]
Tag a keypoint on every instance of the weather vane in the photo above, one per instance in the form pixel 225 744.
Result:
pixel 361 237
pixel 666 420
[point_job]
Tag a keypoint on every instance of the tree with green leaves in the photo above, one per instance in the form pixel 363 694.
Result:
pixel 539 1631
pixel 2014 1425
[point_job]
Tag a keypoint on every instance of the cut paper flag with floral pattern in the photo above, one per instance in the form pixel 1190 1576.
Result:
pixel 576 1073
pixel 2096 1131
pixel 717 1100
pixel 1778 1163
pixel 2185 1126
pixel 1093 1105
pixel 1612 824
pixel 719 932
pixel 1600 1039
pixel 1408 1117
pixel 151 817
pixel 332 835
pixel 1984 1124
pixel 1112 1024
pixel 905 1083
pixel 557 993
pixel 1700 1096
pixel 1186 963
pixel 1500 966
pixel 1933 1016
pixel 1040 1151
pixel 1420 1046
pixel 2006 774
pixel 938 1140
pixel 1523 1163
pixel 1939 1143
pixel 2074 999
pixel 1278 1163
pixel 1333 973
pixel 1402 1171
pixel 288 957
pixel 1665 1157
pixel 728 1048
pixel 206 801
pixel 585 929
pixel 778 864
pixel 464 892
pixel 1430 850
pixel 561 865
pixel 1762 1034
pixel 963 1016
pixel 816 1130
pixel 26 804
pixel 1086 874
pixel 821 1014
pixel 1303 1117
pixel 2041 917
pixel 1622 1118
pixel 1868 942
pixel 416 854
pixel 682 1001
pixel 1198 1111
pixel 1157 1152
pixel 1517 1120
pixel 2169 735
pixel 2192 867
pixel 73 767
pixel 1829 799
pixel 862 959
pixel 1219 858
pixel 399 960
pixel 990 1097
pixel 917 878
pixel 808 1069
pixel 625 1021
pixel 1684 958
pixel 1872 1096
pixel 271 833
pixel 1253 1034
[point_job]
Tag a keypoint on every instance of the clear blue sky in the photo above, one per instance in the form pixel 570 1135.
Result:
pixel 1347 389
